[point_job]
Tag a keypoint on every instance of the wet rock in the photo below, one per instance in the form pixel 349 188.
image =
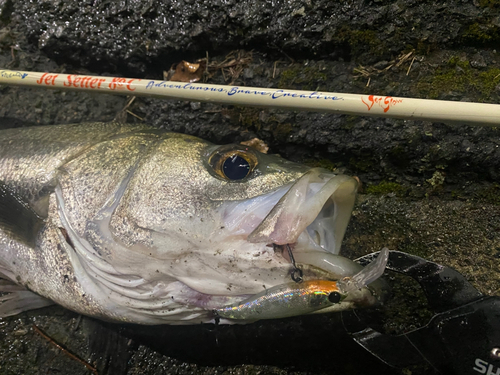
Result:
pixel 478 61
pixel 132 36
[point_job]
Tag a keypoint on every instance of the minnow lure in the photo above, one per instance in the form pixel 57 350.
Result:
pixel 285 300
pixel 291 299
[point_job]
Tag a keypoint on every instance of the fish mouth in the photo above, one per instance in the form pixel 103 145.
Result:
pixel 305 223
pixel 312 214
pixel 311 218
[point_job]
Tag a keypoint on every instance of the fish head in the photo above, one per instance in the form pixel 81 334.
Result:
pixel 204 225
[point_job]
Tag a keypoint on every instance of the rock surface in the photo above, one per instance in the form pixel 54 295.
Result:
pixel 430 189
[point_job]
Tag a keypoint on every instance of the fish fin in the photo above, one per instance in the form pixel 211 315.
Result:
pixel 15 299
pixel 17 219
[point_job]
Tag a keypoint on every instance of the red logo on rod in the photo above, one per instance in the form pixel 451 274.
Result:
pixel 385 102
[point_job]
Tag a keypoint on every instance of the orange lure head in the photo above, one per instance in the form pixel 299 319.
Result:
pixel 323 290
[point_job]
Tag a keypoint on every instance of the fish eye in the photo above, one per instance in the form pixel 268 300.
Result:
pixel 235 168
pixel 334 297
pixel 234 163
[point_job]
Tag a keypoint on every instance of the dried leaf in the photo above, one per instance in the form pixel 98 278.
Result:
pixel 257 144
pixel 187 72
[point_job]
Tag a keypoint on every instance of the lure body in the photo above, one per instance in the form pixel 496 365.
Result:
pixel 285 300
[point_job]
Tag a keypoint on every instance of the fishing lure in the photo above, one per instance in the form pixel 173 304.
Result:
pixel 285 300
pixel 291 299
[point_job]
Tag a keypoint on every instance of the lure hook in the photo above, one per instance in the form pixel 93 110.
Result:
pixel 296 272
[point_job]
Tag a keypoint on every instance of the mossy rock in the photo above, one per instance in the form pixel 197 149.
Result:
pixel 300 77
pixel 489 3
pixel 386 187
pixel 248 117
pixel 322 163
pixel 360 41
pixel 478 34
pixel 458 75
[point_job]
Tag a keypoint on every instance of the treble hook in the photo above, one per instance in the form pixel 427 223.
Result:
pixel 297 272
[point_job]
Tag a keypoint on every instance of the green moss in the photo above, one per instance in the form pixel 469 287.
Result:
pixel 487 81
pixel 307 78
pixel 358 37
pixel 435 184
pixel 423 48
pixel 437 179
pixel 385 187
pixel 248 117
pixel 490 195
pixel 458 75
pixel 489 3
pixel 481 34
pixel 361 164
pixel 455 61
pixel 360 41
pixel 446 79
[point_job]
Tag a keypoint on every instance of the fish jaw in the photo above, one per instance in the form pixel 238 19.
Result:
pixel 239 259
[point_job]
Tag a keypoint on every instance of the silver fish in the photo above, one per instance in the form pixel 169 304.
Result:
pixel 134 224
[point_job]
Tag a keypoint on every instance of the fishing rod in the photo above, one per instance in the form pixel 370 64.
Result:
pixel 479 114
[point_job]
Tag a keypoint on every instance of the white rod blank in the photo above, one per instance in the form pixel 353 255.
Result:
pixel 354 104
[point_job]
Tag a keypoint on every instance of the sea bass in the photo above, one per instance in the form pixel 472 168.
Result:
pixel 134 224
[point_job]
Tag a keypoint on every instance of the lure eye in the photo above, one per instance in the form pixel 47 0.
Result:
pixel 334 297
pixel 233 163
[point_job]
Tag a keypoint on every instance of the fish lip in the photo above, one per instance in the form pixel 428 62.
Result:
pixel 317 202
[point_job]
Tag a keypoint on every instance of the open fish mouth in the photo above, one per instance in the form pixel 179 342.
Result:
pixel 306 224
pixel 317 207
pixel 311 216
